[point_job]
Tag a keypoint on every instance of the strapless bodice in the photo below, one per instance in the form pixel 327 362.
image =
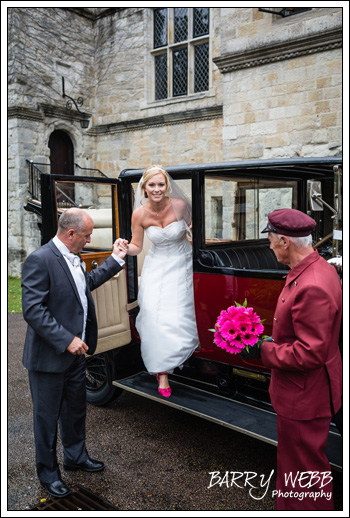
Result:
pixel 171 239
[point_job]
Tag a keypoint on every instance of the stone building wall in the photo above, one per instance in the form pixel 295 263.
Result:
pixel 53 44
pixel 44 45
pixel 169 145
pixel 290 111
pixel 274 91
pixel 282 84
pixel 132 129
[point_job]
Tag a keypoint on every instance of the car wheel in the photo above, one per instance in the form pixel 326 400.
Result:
pixel 99 390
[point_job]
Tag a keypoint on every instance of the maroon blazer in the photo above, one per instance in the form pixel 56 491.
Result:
pixel 305 361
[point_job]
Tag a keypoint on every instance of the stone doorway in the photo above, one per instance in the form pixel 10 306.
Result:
pixel 62 161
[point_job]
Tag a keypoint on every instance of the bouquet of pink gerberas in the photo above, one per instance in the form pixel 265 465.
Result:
pixel 237 328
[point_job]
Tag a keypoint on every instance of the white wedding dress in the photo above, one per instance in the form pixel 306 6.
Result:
pixel 166 322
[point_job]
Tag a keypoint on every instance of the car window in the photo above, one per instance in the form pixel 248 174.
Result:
pixel 99 201
pixel 236 208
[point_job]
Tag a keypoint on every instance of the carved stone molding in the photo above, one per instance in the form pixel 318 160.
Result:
pixel 45 110
pixel 19 112
pixel 300 46
pixel 94 13
pixel 213 112
pixel 49 110
pixel 58 112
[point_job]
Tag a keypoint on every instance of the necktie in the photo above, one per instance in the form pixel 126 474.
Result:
pixel 74 259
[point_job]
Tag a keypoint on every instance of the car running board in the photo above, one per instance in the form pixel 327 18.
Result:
pixel 258 423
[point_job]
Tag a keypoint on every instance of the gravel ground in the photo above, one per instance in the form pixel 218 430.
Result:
pixel 157 458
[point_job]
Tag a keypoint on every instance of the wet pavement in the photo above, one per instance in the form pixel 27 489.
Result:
pixel 157 458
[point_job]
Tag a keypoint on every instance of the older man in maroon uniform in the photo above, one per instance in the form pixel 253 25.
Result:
pixel 305 362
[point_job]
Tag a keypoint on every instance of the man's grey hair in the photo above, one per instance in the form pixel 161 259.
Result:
pixel 299 242
pixel 72 218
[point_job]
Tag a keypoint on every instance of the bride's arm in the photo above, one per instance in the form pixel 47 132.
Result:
pixel 136 244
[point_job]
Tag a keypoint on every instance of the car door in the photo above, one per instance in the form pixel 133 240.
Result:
pixel 98 198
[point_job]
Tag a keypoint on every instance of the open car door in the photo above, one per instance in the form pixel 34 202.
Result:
pixel 98 198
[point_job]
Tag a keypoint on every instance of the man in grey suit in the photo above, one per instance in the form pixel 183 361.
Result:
pixel 62 327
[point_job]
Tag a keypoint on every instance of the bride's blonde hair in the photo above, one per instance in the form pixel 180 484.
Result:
pixel 148 174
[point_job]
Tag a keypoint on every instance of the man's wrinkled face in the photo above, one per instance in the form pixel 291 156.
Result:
pixel 278 246
pixel 81 237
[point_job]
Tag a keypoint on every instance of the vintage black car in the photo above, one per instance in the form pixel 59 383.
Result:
pixel 232 262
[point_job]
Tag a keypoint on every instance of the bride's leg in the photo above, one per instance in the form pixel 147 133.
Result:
pixel 163 380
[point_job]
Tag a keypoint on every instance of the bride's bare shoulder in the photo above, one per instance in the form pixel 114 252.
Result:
pixel 138 214
pixel 138 210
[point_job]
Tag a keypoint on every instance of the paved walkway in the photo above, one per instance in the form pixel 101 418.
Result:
pixel 157 458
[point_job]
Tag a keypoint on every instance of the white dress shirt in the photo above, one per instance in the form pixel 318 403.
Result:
pixel 76 267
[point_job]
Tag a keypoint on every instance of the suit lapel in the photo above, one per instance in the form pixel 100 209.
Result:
pixel 62 262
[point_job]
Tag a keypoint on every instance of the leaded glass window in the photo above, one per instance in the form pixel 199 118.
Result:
pixel 180 71
pixel 160 27
pixel 181 51
pixel 180 24
pixel 200 21
pixel 161 76
pixel 201 67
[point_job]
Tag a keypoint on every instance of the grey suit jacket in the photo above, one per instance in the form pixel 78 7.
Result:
pixel 52 308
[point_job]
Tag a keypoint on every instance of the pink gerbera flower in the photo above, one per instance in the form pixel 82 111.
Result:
pixel 257 328
pixel 232 311
pixel 229 331
pixel 242 323
pixel 222 318
pixel 254 317
pixel 220 342
pixel 249 339
pixel 236 343
pixel 235 346
pixel 234 349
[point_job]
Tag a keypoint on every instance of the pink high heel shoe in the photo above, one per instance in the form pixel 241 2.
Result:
pixel 163 392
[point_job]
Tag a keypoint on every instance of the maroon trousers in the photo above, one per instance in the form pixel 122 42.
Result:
pixel 304 477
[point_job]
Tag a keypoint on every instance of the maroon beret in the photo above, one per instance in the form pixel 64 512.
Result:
pixel 290 222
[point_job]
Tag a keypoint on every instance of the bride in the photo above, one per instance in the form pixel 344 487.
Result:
pixel 166 322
